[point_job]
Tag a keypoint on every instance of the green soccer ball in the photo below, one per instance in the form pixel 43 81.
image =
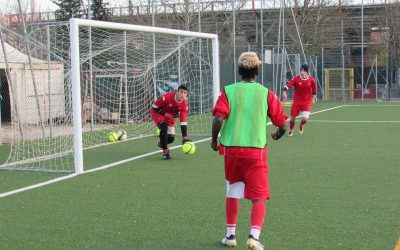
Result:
pixel 158 132
pixel 112 137
pixel 189 148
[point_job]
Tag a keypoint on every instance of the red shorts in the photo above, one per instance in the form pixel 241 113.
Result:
pixel 252 172
pixel 297 108
pixel 157 118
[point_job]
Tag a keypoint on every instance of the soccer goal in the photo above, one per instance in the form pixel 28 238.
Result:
pixel 86 78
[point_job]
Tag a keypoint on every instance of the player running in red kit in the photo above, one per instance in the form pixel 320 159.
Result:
pixel 164 112
pixel 305 94
pixel 244 108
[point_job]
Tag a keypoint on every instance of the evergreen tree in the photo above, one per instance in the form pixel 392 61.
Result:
pixel 100 11
pixel 68 9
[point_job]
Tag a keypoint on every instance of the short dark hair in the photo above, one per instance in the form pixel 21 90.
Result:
pixel 248 73
pixel 304 67
pixel 184 87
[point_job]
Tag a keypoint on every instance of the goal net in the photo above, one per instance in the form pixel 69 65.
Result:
pixel 76 82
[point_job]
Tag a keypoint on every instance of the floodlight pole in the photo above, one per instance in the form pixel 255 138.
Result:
pixel 200 49
pixel 234 38
pixel 49 81
pixel 262 42
pixel 126 78
pixel 153 23
pixel 88 10
pixel 362 50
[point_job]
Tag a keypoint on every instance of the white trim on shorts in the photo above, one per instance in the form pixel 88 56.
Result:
pixel 171 130
pixel 235 190
pixel 305 114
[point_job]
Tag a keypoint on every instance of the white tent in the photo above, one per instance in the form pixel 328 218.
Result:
pixel 24 101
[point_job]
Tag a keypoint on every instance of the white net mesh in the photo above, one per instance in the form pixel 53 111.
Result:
pixel 121 74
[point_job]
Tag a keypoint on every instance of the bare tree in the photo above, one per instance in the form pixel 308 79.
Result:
pixel 318 24
pixel 392 28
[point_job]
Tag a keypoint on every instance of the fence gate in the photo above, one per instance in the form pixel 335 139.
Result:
pixel 339 84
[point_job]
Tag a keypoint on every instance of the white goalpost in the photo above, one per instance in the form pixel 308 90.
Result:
pixel 93 77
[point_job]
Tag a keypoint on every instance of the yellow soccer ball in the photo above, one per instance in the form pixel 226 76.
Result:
pixel 112 137
pixel 158 132
pixel 189 148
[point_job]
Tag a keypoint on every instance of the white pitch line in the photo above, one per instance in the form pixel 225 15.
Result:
pixel 41 184
pixel 324 110
pixel 38 185
pixel 316 112
pixel 332 121
pixel 372 105
pixel 135 158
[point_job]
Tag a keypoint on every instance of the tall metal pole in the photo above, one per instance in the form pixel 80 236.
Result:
pixel 362 50
pixel 341 25
pixel 199 16
pixel 154 52
pixel 49 80
pixel 376 76
pixel 234 38
pixel 126 78
pixel 322 74
pixel 274 85
pixel 31 70
pixel 283 69
pixel 88 10
pixel 262 42
pixel 298 35
pixel 200 61
pixel 387 72
pixel 92 111
pixel 179 59
pixel 279 43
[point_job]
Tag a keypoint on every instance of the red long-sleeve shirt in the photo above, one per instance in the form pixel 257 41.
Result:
pixel 168 104
pixel 304 89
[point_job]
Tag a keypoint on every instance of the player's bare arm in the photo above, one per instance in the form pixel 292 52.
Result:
pixel 216 127
pixel 284 94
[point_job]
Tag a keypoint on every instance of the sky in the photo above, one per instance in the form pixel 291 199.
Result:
pixel 11 6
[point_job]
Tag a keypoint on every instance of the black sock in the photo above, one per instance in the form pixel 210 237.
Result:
pixel 164 135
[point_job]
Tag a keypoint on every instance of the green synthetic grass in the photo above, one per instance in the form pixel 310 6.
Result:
pixel 335 187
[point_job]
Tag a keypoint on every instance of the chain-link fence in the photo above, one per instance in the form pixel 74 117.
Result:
pixel 352 49
pixel 338 71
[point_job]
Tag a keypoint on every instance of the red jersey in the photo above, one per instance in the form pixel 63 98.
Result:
pixel 304 89
pixel 276 113
pixel 168 104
